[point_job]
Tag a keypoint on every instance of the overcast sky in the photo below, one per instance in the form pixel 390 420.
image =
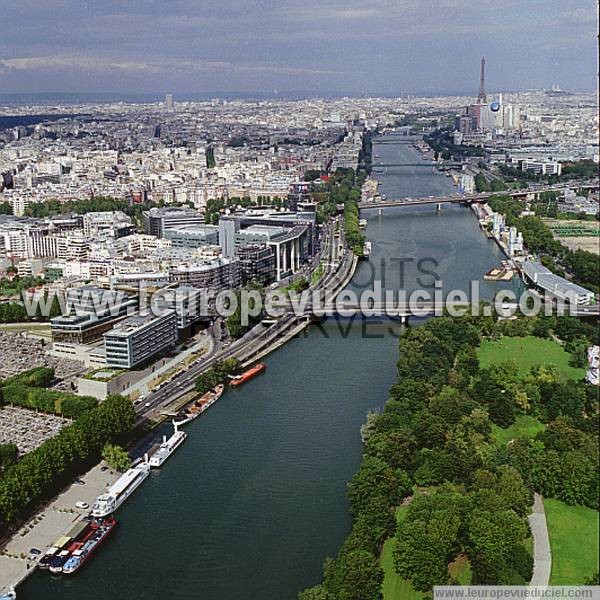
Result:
pixel 316 46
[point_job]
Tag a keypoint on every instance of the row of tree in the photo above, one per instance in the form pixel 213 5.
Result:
pixel 354 237
pixel 344 189
pixel 437 431
pixel 46 470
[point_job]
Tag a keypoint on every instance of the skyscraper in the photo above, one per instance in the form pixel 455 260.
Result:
pixel 481 99
pixel 169 104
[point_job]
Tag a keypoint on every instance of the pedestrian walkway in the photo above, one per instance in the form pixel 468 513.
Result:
pixel 542 556
pixel 47 525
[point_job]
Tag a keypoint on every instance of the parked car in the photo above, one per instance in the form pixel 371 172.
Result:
pixel 79 482
pixel 81 504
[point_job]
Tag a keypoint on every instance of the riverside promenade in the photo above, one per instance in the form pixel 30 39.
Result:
pixel 48 524
pixel 60 514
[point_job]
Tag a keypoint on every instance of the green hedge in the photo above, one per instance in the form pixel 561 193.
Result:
pixel 29 389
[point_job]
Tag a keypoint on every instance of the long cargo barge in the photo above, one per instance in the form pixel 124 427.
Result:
pixel 84 539
pixel 249 374
pixel 99 531
pixel 199 406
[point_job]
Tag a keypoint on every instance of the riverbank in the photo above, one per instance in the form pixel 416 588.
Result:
pixel 55 519
pixel 41 531
pixel 267 467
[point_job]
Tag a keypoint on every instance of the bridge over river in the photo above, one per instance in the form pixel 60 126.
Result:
pixel 429 164
pixel 416 307
pixel 526 194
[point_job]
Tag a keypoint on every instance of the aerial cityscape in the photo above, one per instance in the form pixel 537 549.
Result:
pixel 370 247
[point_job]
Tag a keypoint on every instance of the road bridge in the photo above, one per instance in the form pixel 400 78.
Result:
pixel 415 308
pixel 529 193
pixel 428 164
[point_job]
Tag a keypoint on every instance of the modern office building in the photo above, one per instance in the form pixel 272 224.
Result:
pixel 93 311
pixel 113 224
pixel 189 303
pixel 158 220
pixel 557 286
pixel 257 263
pixel 193 236
pixel 217 275
pixel 136 339
pixel 291 235
pixel 539 167
pixel 228 227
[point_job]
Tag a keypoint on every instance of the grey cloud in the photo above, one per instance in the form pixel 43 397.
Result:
pixel 383 46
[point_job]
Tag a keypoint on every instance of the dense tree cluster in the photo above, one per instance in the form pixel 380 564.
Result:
pixel 44 471
pixel 442 142
pixel 217 374
pixel 55 207
pixel 539 240
pixel 29 389
pixel 235 326
pixel 14 285
pixel 8 456
pixel 95 204
pixel 116 458
pixel 483 185
pixel 15 312
pixel 437 431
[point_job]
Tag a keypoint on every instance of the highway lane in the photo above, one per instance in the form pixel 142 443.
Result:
pixel 257 338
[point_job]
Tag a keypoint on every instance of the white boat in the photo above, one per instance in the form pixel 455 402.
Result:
pixel 9 595
pixel 167 448
pixel 119 491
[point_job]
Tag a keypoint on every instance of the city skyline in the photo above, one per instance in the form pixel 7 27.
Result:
pixel 386 48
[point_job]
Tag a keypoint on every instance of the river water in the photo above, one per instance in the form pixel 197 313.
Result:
pixel 254 500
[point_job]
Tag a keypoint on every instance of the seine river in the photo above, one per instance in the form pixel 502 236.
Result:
pixel 254 500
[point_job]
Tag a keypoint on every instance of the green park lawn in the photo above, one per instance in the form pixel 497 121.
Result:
pixel 573 534
pixel 394 586
pixel 524 427
pixel 398 588
pixel 528 352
